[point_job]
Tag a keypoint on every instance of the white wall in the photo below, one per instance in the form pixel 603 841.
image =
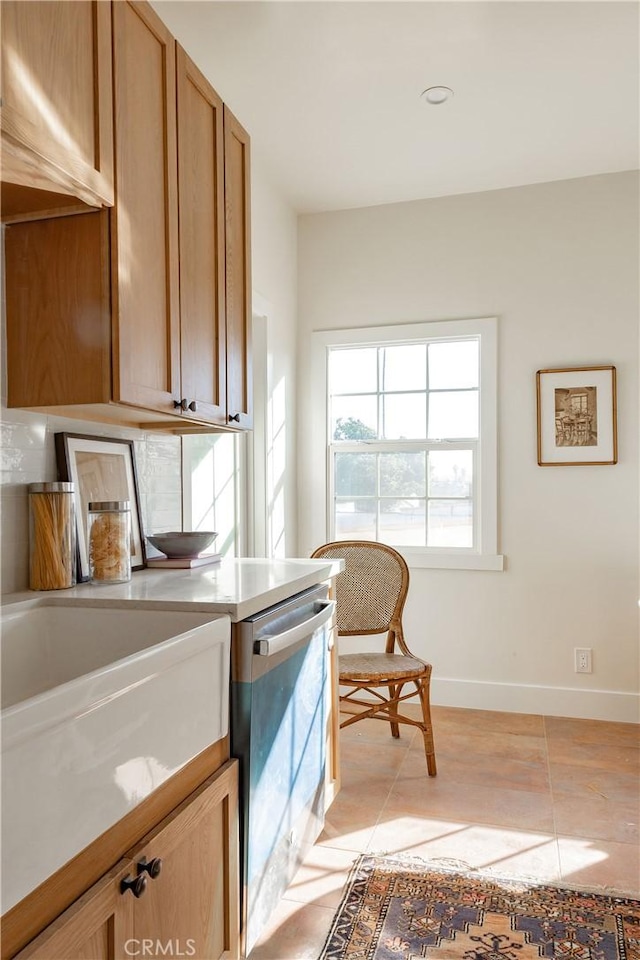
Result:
pixel 557 263
pixel 274 264
pixel 28 456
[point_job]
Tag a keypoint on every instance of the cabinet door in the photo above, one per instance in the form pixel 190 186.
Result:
pixel 58 311
pixel 145 305
pixel 193 902
pixel 238 271
pixel 201 205
pixel 96 927
pixel 57 110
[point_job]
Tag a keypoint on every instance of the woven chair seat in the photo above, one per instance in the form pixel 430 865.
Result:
pixel 371 592
pixel 379 667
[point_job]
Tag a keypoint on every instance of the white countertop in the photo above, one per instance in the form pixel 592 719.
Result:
pixel 238 588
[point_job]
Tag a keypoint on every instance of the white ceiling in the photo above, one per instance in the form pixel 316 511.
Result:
pixel 330 91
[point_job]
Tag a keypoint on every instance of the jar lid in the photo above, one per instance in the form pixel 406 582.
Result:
pixel 106 505
pixel 53 487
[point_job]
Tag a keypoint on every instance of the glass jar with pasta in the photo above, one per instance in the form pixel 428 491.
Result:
pixel 52 536
pixel 110 541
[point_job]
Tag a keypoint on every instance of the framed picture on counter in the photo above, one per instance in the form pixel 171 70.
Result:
pixel 576 409
pixel 102 468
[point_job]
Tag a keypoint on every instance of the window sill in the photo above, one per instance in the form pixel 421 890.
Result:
pixel 420 559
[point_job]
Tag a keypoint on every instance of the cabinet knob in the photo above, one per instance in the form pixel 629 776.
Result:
pixel 180 404
pixel 137 885
pixel 193 406
pixel 152 867
pixel 234 417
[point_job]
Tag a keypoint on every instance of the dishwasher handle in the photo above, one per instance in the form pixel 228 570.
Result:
pixel 268 646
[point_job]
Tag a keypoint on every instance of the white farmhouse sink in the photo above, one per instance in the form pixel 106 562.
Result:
pixel 99 707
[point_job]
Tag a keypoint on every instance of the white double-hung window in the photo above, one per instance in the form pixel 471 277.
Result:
pixel 411 445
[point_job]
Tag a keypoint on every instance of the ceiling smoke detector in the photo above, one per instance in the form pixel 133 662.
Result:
pixel 436 95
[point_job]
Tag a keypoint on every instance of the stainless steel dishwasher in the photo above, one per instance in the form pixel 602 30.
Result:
pixel 279 697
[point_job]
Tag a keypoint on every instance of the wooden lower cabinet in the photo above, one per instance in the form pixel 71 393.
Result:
pixel 174 894
pixel 193 902
pixel 92 927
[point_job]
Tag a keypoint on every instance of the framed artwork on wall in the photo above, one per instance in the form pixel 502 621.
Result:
pixel 576 411
pixel 102 468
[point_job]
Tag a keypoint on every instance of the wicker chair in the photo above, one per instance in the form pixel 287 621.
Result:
pixel 371 593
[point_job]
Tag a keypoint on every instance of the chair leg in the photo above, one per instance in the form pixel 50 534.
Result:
pixel 427 729
pixel 394 692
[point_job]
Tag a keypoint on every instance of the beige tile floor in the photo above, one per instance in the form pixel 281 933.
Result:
pixel 517 795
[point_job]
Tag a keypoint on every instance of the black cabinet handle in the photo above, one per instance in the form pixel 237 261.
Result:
pixel 152 867
pixel 234 417
pixel 137 885
pixel 185 405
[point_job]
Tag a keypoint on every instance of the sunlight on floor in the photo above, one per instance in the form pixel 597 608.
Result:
pixel 530 770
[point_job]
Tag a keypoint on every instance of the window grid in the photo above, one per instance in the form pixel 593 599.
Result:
pixel 428 534
pixel 380 393
pixel 377 447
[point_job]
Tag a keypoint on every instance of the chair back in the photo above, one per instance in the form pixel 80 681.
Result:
pixel 371 590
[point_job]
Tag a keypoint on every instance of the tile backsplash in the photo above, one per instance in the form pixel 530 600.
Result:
pixel 28 456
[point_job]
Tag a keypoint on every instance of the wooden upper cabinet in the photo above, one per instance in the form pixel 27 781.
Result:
pixel 140 313
pixel 57 108
pixel 202 261
pixel 238 271
pixel 144 224
pixel 58 311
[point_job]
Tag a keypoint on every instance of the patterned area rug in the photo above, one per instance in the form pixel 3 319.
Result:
pixel 406 909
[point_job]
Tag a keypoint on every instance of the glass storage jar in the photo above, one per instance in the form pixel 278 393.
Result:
pixel 52 536
pixel 110 541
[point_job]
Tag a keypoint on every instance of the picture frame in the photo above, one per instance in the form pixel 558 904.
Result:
pixel 577 416
pixel 101 468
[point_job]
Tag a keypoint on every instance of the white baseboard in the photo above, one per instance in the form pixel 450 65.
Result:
pixel 528 698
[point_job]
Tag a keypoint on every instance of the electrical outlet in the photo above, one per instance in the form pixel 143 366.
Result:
pixel 583 663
